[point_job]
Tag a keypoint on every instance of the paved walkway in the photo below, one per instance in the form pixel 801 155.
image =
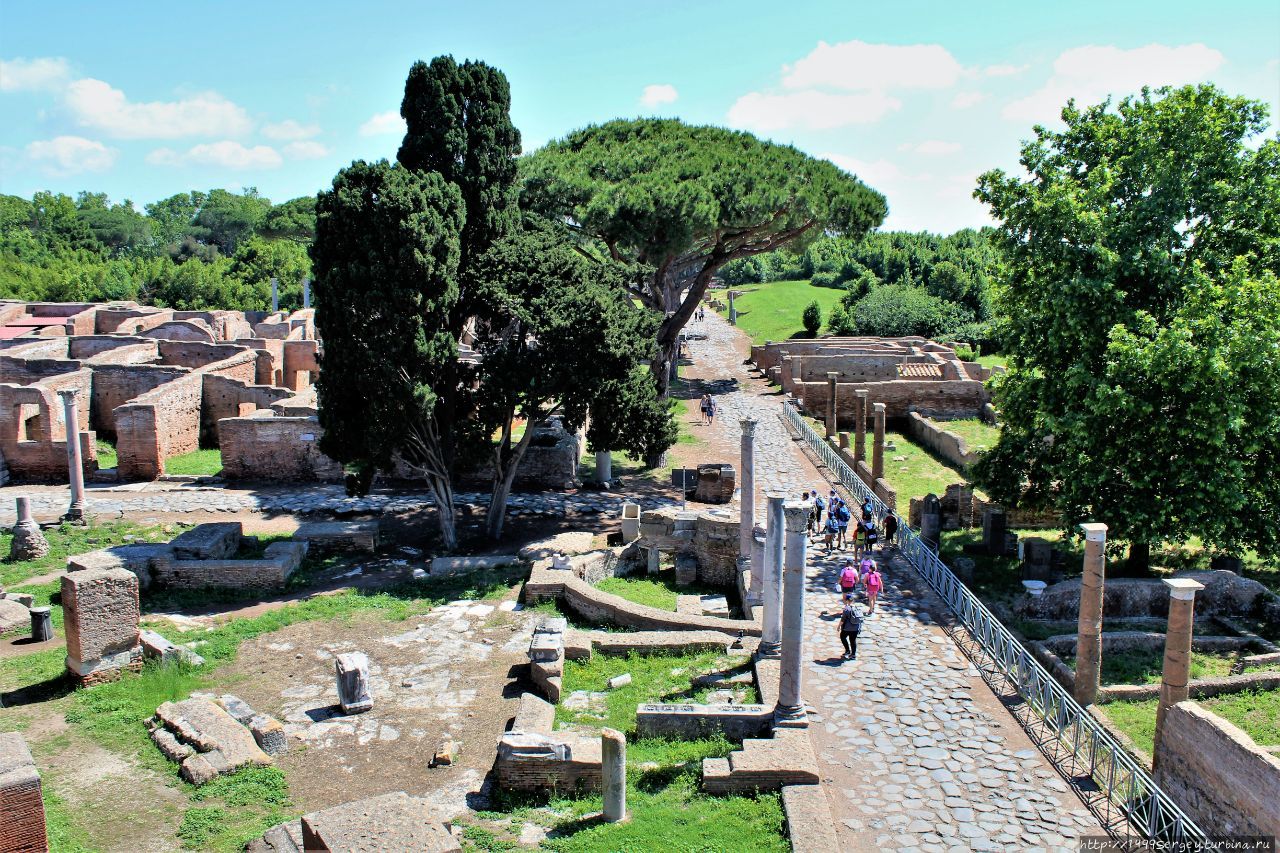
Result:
pixel 916 751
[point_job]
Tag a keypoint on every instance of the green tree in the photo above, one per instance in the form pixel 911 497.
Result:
pixel 118 227
pixel 294 220
pixel 226 219
pixel 676 202
pixel 839 322
pixel 1130 218
pixel 257 261
pixel 812 318
pixel 385 259
pixel 173 218
pixel 899 310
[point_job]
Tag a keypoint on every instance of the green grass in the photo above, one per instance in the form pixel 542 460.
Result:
pixel 1145 667
pixel 203 463
pixel 67 540
pixel 641 590
pixel 251 801
pixel 64 835
pixel 924 472
pixel 106 454
pixel 976 434
pixel 1257 713
pixel 772 311
pixel 993 360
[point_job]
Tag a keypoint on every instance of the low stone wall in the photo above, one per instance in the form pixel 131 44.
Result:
pixel 280 561
pixel 1224 781
pixel 940 440
pixel 711 537
pixel 692 722
pixel 810 826
pixel 566 762
pixel 274 448
pixel 1225 594
pixel 942 398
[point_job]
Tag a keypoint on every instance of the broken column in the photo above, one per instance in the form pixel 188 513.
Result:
pixel 100 607
pixel 352 670
pixel 877 450
pixel 1089 630
pixel 1177 649
pixel 774 543
pixel 604 467
pixel 28 542
pixel 306 293
pixel 747 491
pixel 832 376
pixel 790 710
pixel 733 310
pixel 755 592
pixel 41 624
pixel 613 760
pixel 860 425
pixel 22 822
pixel 931 520
pixel 75 466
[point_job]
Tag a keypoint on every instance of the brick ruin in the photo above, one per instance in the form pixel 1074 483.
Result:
pixel 906 374
pixel 161 383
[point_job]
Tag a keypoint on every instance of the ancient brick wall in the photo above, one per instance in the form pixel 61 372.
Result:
pixel 35 347
pixel 270 365
pixel 221 574
pixel 22 823
pixel 117 384
pixel 961 398
pixel 937 438
pixel 223 397
pixel 299 363
pixel 1224 781
pixel 274 448
pixel 196 353
pixel 181 330
pixel 27 371
pixel 113 349
pixel 154 426
pixel 108 321
pixel 869 368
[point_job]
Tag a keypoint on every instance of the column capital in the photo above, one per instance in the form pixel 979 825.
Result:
pixel 68 394
pixel 797 516
pixel 1094 531
pixel 748 426
pixel 861 392
pixel 833 375
pixel 1182 589
pixel 776 496
pixel 878 408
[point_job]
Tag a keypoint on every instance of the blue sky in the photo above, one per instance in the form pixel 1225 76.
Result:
pixel 141 100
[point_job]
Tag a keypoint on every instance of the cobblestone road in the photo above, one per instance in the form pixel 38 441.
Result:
pixel 916 751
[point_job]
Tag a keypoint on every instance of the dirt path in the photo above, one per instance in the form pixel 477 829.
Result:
pixel 916 751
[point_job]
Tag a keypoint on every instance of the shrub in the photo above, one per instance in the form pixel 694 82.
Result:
pixel 829 278
pixel 965 352
pixel 898 310
pixel 839 321
pixel 812 318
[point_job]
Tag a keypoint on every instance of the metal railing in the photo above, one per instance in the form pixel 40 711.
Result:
pixel 1116 788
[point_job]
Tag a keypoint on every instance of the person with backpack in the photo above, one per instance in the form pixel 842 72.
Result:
pixel 850 625
pixel 890 529
pixel 842 522
pixel 818 506
pixel 859 539
pixel 849 579
pixel 875 583
pixel 872 536
pixel 867 510
pixel 711 410
pixel 810 528
pixel 831 531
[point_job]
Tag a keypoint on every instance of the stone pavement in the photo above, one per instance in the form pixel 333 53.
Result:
pixel 915 750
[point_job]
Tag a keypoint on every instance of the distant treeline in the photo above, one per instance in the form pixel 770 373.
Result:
pixel 897 282
pixel 191 251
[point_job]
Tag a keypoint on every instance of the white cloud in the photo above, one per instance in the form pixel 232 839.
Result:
pixel 1004 70
pixel 28 75
pixel 809 109
pixel 1091 73
pixel 226 154
pixel 70 155
pixel 964 100
pixel 290 129
pixel 305 150
pixel 97 104
pixel 860 66
pixel 383 123
pixel 931 147
pixel 659 93
pixel 941 202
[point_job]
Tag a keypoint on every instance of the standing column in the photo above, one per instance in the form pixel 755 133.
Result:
pixel 75 467
pixel 604 467
pixel 1177 650
pixel 774 543
pixel 275 294
pixel 831 403
pixel 613 761
pixel 755 593
pixel 747 492
pixel 877 450
pixel 790 710
pixel 1089 631
pixel 860 425
pixel 733 310
pixel 306 293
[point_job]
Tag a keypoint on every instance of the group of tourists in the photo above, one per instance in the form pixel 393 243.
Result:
pixel 707 405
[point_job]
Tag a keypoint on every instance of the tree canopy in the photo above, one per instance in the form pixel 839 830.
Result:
pixel 675 202
pixel 1141 303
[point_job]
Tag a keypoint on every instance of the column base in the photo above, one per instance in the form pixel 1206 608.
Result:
pixel 769 651
pixel 75 514
pixel 755 598
pixel 790 717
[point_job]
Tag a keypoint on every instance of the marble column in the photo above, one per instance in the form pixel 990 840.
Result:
pixel 860 425
pixel 733 310
pixel 613 766
pixel 604 467
pixel 1089 630
pixel 1177 650
pixel 747 489
pixel 831 403
pixel 790 710
pixel 306 293
pixel 877 450
pixel 774 545
pixel 755 593
pixel 75 466
pixel 275 294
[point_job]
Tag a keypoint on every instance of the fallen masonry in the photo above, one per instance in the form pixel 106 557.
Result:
pixel 207 740
pixel 394 821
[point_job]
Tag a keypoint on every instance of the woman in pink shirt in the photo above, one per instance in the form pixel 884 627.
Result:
pixel 848 579
pixel 874 584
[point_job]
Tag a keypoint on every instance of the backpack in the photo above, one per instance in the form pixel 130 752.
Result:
pixel 851 574
pixel 850 621
pixel 818 503
pixel 843 512
pixel 872 536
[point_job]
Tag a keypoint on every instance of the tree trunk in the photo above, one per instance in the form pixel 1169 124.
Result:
pixel 1138 563
pixel 423 451
pixel 505 466
pixel 442 492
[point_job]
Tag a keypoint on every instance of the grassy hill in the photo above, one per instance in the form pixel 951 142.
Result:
pixel 771 312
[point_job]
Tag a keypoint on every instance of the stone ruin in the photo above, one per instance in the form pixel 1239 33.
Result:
pixel 211 737
pixel 1225 595
pixel 394 821
pixel 100 607
pixel 21 802
pixel 905 374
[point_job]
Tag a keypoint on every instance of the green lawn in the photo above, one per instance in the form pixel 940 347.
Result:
pixel 106 454
pixel 1145 667
pixel 641 590
pixel 196 463
pixel 993 360
pixel 1257 713
pixel 976 434
pixel 772 311
pixel 67 540
pixel 919 473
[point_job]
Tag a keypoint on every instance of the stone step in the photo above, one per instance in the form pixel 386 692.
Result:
pixel 764 764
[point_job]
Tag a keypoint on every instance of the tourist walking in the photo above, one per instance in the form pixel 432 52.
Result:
pixel 859 539
pixel 849 579
pixel 850 626
pixel 868 510
pixel 811 526
pixel 711 410
pixel 874 583
pixel 872 536
pixel 831 530
pixel 818 506
pixel 890 529
pixel 842 523
pixel 704 405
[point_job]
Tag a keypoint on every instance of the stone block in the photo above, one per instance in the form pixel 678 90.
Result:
pixel 552 625
pixel 394 821
pixel 214 541
pixel 138 558
pixel 156 646
pixel 325 537
pixel 570 544
pixel 221 743
pixel 714 605
pixel 546 647
pixel 686 570
pixel 630 521
pixel 810 825
pixel 689 604
pixel 693 721
pixel 453 565
pixel 100 609
pixel 269 734
pixel 22 821
pixel 563 761
pixel 352 671
pixel 716 484
pixel 13 615
pixel 533 715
